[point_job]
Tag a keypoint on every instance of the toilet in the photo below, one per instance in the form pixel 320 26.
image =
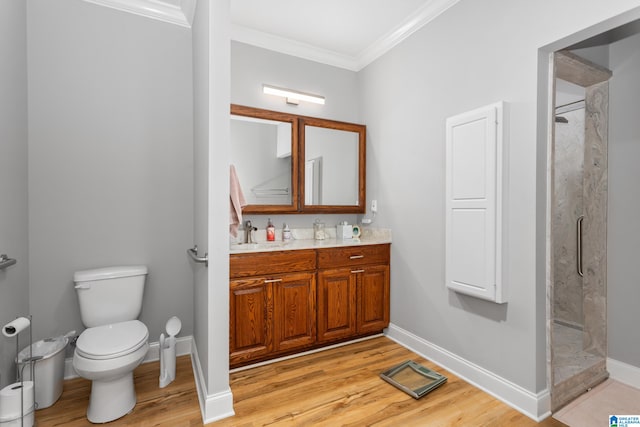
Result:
pixel 114 343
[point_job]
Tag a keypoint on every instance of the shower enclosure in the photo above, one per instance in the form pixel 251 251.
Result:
pixel 577 286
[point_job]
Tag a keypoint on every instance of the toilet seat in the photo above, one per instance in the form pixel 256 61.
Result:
pixel 112 341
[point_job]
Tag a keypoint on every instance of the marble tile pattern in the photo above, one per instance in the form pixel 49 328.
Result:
pixel 569 354
pixel 587 366
pixel 568 197
pixel 595 223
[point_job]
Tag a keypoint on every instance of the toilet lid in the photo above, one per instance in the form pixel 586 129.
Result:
pixel 109 341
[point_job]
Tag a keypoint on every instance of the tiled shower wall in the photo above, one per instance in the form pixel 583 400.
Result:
pixel 568 191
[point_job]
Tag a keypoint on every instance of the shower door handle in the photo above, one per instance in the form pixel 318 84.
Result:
pixel 579 244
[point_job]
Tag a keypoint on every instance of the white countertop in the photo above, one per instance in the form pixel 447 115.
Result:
pixel 369 236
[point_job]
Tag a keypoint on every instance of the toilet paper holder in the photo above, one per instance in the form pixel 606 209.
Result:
pixel 10 330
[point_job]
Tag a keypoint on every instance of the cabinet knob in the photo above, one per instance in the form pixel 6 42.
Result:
pixel 272 280
pixel 356 256
pixel 357 271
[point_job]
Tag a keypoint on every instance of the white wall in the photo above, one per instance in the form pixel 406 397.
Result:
pixel 14 280
pixel 201 135
pixel 211 142
pixel 623 281
pixel 474 54
pixel 218 215
pixel 110 158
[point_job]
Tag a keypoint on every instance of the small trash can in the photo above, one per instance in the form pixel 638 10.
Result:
pixel 49 369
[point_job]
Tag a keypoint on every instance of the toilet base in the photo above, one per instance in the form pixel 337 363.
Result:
pixel 111 400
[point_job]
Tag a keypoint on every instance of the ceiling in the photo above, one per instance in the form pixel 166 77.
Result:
pixel 344 33
pixel 348 34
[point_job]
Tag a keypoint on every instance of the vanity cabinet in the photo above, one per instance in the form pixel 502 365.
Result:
pixel 251 319
pixel 285 302
pixel 353 299
pixel 271 311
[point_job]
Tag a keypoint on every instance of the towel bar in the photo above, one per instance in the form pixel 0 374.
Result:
pixel 5 261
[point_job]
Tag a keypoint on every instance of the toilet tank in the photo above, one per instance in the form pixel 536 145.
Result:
pixel 109 295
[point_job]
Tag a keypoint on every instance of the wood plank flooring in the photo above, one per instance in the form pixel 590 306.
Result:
pixel 337 387
pixel 174 405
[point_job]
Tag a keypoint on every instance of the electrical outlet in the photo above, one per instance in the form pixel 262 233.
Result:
pixel 374 206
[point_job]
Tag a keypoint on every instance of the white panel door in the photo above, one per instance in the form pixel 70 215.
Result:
pixel 474 198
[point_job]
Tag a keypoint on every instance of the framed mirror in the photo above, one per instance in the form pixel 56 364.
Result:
pixel 264 147
pixel 294 164
pixel 332 166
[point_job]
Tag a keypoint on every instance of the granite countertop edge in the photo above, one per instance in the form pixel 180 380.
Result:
pixel 368 237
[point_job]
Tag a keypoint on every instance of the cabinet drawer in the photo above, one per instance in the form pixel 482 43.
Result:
pixel 351 256
pixel 261 263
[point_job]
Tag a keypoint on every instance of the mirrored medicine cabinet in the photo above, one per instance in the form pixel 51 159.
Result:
pixel 295 164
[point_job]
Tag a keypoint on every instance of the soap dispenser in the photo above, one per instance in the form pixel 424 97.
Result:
pixel 286 232
pixel 271 231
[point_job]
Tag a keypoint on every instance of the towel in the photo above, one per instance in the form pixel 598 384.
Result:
pixel 237 202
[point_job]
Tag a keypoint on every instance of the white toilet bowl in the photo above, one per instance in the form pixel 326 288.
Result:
pixel 107 355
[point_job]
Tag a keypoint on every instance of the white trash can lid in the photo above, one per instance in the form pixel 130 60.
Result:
pixel 44 348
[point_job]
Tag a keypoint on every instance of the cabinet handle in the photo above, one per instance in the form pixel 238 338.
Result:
pixel 272 280
pixel 356 256
pixel 357 271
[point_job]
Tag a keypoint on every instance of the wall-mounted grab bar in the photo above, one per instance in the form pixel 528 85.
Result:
pixel 579 244
pixel 193 253
pixel 5 261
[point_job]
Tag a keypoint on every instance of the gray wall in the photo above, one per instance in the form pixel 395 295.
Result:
pixel 14 281
pixel 251 67
pixel 110 158
pixel 624 202
pixel 406 96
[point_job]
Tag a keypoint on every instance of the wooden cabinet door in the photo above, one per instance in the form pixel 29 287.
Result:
pixel 294 310
pixel 373 298
pixel 336 304
pixel 250 319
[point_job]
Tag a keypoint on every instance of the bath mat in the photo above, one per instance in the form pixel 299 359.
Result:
pixel 413 378
pixel 594 408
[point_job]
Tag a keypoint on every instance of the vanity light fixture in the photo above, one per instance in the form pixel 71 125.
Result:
pixel 293 96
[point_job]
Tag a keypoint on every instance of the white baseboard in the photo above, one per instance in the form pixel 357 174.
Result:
pixel 212 407
pixel 536 406
pixel 183 347
pixel 624 373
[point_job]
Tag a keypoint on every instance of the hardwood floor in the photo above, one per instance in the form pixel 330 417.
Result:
pixel 337 387
pixel 174 405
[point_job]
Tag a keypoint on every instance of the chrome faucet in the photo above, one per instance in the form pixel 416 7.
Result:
pixel 248 229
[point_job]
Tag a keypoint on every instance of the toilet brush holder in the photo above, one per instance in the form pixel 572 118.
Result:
pixel 168 362
pixel 168 352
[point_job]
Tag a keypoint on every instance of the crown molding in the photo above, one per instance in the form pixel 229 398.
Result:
pixel 178 12
pixel 413 23
pixel 292 47
pixel 421 17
